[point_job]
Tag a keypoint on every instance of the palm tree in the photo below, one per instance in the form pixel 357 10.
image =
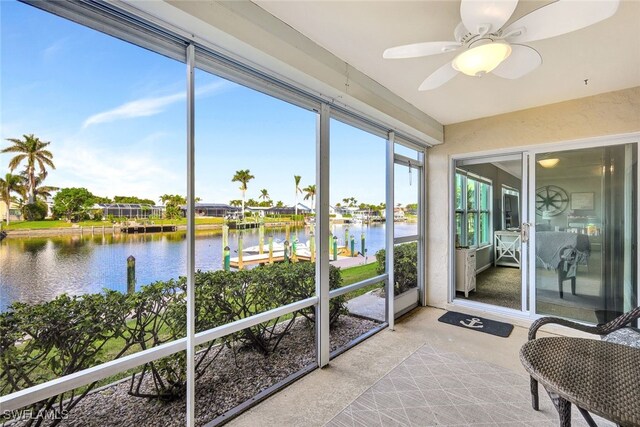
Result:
pixel 243 177
pixel 264 194
pixel 34 152
pixel 297 179
pixel 311 193
pixel 10 184
pixel 42 191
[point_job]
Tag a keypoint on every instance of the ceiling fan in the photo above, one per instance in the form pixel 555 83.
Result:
pixel 488 46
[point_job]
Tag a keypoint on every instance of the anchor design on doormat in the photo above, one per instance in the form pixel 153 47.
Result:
pixel 474 322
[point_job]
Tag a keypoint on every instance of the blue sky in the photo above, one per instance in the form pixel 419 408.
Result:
pixel 115 116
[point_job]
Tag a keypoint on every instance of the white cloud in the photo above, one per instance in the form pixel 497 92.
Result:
pixel 135 171
pixel 148 106
pixel 53 49
pixel 138 108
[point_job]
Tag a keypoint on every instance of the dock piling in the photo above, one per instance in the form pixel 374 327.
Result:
pixel 261 239
pixel 353 246
pixel 240 251
pixel 227 258
pixel 346 238
pixel 225 242
pixel 271 250
pixel 131 274
pixel 294 250
pixel 312 246
pixel 335 248
pixel 286 252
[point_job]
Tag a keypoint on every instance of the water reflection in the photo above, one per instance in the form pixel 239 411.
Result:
pixel 37 269
pixel 33 246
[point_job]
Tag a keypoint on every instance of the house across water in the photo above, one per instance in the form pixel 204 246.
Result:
pixel 129 210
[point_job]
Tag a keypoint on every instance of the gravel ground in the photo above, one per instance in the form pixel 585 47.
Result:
pixel 227 383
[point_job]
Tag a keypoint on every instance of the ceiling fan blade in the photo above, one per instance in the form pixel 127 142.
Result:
pixel 561 17
pixel 439 77
pixel 523 60
pixel 486 16
pixel 420 49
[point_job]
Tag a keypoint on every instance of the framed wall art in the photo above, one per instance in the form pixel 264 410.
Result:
pixel 583 201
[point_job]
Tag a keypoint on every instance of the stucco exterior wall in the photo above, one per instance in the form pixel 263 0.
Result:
pixel 610 113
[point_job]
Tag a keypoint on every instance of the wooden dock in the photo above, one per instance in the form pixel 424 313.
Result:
pixel 235 225
pixel 131 229
pixel 248 260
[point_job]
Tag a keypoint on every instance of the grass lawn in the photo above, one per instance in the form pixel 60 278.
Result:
pixel 49 223
pixel 357 274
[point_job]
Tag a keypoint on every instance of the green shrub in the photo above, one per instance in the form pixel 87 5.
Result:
pixel 159 311
pixel 35 211
pixel 58 338
pixel 405 270
pixel 245 293
pixel 69 334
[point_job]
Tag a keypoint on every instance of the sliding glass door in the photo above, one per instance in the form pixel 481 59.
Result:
pixel 490 241
pixel 585 205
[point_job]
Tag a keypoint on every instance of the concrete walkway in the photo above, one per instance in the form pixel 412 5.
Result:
pixel 346 262
pixel 369 305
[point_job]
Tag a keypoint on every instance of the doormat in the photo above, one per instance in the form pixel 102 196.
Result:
pixel 476 323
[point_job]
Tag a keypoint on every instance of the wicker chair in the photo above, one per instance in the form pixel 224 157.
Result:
pixel 613 331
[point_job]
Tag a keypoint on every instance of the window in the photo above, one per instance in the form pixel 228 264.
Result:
pixel 357 224
pixel 473 210
pixel 510 207
pixel 249 139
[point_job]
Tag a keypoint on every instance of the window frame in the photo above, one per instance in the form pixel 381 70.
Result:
pixel 465 213
pixel 161 38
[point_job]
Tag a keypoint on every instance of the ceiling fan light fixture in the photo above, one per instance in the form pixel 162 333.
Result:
pixel 548 163
pixel 482 59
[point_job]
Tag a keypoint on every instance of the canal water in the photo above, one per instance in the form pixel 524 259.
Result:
pixel 37 269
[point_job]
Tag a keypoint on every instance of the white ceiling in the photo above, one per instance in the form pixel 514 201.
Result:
pixel 607 53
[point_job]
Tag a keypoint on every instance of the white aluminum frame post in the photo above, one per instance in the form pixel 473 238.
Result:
pixel 322 231
pixel 191 227
pixel 390 311
pixel 422 230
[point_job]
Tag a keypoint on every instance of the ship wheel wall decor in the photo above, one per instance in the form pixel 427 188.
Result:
pixel 552 199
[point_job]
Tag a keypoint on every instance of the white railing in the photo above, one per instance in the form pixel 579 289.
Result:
pixel 350 288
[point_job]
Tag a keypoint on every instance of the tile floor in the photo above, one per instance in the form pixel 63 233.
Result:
pixel 433 387
pixel 452 380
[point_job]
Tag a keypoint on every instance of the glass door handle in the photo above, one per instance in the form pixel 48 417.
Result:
pixel 524 231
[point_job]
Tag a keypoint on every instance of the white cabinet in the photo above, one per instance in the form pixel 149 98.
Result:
pixel 465 271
